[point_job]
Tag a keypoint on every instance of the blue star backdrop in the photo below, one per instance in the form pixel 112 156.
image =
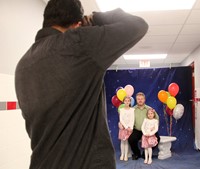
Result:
pixel 150 82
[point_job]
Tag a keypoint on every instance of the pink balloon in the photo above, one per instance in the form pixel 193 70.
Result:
pixel 129 90
pixel 173 89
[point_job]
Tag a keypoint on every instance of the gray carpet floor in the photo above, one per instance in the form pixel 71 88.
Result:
pixel 184 160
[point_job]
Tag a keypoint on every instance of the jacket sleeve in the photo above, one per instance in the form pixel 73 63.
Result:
pixel 113 33
pixel 133 118
pixel 122 120
pixel 155 129
pixel 143 127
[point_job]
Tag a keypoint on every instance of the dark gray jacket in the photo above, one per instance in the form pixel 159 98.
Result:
pixel 59 86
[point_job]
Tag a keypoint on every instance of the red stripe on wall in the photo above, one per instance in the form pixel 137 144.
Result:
pixel 11 105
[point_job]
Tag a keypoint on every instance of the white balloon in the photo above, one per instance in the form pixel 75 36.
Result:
pixel 178 111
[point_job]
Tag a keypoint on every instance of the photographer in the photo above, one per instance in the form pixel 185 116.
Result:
pixel 59 84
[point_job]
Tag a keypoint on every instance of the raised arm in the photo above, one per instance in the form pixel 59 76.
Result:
pixel 113 33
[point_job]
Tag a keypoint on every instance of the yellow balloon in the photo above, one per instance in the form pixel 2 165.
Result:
pixel 121 93
pixel 171 102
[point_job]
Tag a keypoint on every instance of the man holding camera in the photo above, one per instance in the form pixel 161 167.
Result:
pixel 59 84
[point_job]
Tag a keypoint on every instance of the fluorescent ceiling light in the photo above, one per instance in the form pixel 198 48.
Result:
pixel 145 5
pixel 145 57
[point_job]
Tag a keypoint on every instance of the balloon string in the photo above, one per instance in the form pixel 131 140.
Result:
pixel 166 119
pixel 170 125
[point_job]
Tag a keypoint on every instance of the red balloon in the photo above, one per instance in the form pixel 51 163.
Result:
pixel 169 111
pixel 173 89
pixel 115 101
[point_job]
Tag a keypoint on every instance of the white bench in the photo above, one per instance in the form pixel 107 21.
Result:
pixel 165 147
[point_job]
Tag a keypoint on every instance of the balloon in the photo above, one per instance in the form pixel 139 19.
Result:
pixel 162 96
pixel 132 101
pixel 119 88
pixel 171 102
pixel 121 106
pixel 121 93
pixel 173 89
pixel 168 94
pixel 178 111
pixel 115 101
pixel 169 111
pixel 129 90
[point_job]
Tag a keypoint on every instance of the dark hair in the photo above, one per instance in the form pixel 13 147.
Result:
pixel 62 13
pixel 126 97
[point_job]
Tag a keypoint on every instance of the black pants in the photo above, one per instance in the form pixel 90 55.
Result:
pixel 134 139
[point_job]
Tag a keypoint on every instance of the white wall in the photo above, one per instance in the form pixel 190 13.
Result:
pixel 20 20
pixel 14 143
pixel 7 88
pixel 195 57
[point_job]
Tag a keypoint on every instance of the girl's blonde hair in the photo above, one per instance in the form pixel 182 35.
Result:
pixel 153 111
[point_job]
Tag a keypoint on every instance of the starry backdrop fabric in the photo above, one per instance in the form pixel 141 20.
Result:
pixel 150 82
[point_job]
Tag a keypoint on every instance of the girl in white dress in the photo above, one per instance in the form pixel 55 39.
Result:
pixel 149 140
pixel 126 117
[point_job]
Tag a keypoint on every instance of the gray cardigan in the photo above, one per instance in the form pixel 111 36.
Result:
pixel 60 89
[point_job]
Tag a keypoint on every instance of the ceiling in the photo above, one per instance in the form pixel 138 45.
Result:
pixel 176 33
